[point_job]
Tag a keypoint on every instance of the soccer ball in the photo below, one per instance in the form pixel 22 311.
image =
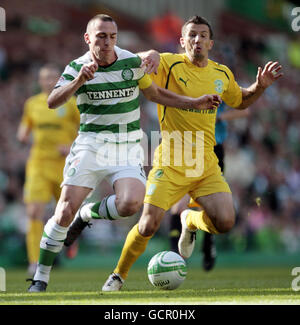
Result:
pixel 166 270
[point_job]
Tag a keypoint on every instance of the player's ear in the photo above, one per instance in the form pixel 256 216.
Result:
pixel 87 38
pixel 211 44
pixel 182 42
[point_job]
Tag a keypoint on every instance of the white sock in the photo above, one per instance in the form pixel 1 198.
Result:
pixel 111 206
pixel 51 244
pixel 42 273
pixel 106 209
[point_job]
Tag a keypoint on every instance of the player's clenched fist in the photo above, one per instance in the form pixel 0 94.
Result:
pixel 207 102
pixel 87 71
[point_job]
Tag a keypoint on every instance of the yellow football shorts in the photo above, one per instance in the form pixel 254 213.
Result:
pixel 42 180
pixel 166 185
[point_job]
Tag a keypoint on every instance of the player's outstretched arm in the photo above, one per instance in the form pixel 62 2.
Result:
pixel 168 98
pixel 62 94
pixel 264 79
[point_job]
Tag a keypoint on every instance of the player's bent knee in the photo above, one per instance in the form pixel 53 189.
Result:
pixel 226 223
pixel 128 207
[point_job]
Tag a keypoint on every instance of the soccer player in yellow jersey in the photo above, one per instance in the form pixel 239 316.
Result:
pixel 190 166
pixel 53 132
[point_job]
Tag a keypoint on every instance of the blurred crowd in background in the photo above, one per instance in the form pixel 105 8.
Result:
pixel 262 160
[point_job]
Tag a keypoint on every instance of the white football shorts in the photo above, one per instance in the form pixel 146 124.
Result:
pixel 87 167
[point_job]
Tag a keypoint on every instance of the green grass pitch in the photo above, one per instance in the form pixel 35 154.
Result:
pixel 250 286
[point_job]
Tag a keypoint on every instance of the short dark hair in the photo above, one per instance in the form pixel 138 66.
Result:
pixel 198 20
pixel 101 17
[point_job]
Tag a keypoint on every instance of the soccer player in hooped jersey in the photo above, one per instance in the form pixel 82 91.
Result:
pixel 106 80
pixel 189 74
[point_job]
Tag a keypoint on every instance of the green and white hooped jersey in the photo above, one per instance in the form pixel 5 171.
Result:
pixel 109 103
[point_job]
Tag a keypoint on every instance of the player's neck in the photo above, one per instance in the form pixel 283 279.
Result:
pixel 200 62
pixel 107 60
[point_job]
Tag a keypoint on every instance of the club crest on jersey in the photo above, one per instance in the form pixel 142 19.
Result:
pixel 159 173
pixel 127 74
pixel 71 172
pixel 219 86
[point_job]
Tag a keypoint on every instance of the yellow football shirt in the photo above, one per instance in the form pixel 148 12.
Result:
pixel 179 75
pixel 50 127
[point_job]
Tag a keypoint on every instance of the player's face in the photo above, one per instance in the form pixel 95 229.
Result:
pixel 196 42
pixel 101 38
pixel 47 79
